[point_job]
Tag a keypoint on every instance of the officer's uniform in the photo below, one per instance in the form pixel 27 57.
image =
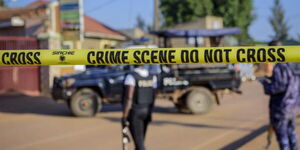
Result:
pixel 142 104
pixel 284 93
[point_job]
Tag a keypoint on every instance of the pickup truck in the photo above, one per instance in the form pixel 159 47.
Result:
pixel 193 89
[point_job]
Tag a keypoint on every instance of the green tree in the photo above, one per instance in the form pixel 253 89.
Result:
pixel 235 13
pixel 140 23
pixel 179 11
pixel 278 22
pixel 2 3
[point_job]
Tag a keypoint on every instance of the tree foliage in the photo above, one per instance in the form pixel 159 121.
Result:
pixel 235 13
pixel 179 11
pixel 2 3
pixel 278 22
pixel 140 23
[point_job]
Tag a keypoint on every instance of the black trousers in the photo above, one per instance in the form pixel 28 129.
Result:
pixel 138 123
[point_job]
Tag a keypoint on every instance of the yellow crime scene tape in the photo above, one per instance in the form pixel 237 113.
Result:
pixel 204 55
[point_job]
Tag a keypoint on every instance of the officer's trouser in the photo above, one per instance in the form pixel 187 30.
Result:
pixel 139 120
pixel 285 130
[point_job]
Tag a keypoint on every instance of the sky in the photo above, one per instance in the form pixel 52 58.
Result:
pixel 122 14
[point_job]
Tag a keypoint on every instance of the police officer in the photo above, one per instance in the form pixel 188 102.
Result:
pixel 138 103
pixel 283 88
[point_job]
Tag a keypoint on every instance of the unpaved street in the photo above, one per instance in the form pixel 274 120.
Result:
pixel 35 123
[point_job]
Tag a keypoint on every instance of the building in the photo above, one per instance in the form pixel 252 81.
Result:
pixel 27 28
pixel 97 36
pixel 202 32
pixel 134 33
pixel 38 26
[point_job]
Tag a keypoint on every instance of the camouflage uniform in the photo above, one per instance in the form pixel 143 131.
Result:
pixel 284 96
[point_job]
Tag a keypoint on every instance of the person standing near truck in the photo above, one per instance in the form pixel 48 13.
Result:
pixel 139 96
pixel 284 87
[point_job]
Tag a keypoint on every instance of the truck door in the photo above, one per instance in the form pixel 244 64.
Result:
pixel 116 82
pixel 169 81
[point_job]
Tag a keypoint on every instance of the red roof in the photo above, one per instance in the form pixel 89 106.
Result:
pixel 94 26
pixel 37 4
pixel 6 13
pixel 16 38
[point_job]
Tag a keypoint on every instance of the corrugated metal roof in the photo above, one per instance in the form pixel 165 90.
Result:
pixel 197 32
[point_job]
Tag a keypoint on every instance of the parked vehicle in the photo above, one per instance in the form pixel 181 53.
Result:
pixel 191 89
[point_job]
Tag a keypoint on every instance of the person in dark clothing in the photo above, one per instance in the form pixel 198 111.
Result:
pixel 284 87
pixel 138 104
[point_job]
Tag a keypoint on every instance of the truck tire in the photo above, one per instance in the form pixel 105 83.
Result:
pixel 85 103
pixel 199 100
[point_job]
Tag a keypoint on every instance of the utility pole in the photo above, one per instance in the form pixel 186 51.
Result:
pixel 156 20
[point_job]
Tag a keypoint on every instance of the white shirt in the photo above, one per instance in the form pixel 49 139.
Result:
pixel 129 79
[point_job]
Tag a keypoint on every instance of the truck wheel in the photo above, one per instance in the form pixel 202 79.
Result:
pixel 199 100
pixel 85 103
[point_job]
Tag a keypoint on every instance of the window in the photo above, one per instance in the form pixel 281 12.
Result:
pixel 191 41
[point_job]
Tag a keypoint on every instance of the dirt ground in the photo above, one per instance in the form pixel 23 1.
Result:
pixel 35 123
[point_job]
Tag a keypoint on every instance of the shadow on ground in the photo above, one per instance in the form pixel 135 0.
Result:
pixel 22 104
pixel 157 109
pixel 189 125
pixel 247 138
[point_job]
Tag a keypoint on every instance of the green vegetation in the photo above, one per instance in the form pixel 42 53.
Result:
pixel 140 23
pixel 2 3
pixel 235 13
pixel 278 22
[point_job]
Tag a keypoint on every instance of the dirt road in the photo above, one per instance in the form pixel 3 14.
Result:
pixel 35 123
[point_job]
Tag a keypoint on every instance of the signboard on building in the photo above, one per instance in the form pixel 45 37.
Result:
pixel 71 15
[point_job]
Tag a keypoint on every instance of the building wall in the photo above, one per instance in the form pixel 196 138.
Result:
pixel 209 22
pixel 90 43
pixel 12 31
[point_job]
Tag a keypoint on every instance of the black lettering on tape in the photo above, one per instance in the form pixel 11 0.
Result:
pixel 194 56
pixel 158 56
pixel 184 56
pixel 137 60
pixel 218 56
pixel 99 57
pixel 280 52
pixel 261 55
pixel 227 51
pixel 251 55
pixel 106 58
pixel 125 57
pixel 89 55
pixel 208 56
pixel 239 54
pixel 146 52
pixel 36 57
pixel 5 55
pixel 13 58
pixel 172 56
pixel 271 55
pixel 115 57
pixel 163 58
pixel 154 56
pixel 28 57
pixel 211 56
pixel 21 58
